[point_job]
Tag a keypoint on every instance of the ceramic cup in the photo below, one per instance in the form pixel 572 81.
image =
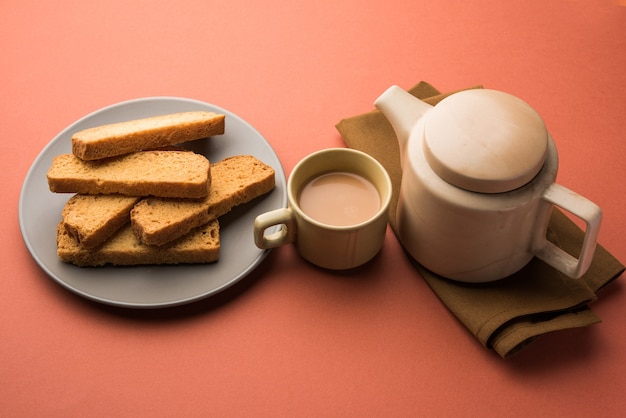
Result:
pixel 323 244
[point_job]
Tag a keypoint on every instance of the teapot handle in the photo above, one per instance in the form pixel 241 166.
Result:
pixel 582 208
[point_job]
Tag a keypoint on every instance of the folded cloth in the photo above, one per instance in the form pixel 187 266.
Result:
pixel 508 314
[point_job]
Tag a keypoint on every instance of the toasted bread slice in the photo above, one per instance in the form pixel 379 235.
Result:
pixel 92 219
pixel 234 181
pixel 135 135
pixel 202 245
pixel 146 173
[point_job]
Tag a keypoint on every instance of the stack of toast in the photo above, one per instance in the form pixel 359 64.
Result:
pixel 140 200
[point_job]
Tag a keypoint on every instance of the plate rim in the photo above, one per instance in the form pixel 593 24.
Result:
pixel 28 178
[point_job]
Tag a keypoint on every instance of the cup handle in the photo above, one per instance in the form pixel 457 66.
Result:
pixel 582 208
pixel 285 235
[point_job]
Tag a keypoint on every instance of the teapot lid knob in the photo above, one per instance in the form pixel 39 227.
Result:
pixel 485 141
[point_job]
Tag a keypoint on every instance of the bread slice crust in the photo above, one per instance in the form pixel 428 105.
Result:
pixel 139 134
pixel 235 180
pixel 146 173
pixel 202 245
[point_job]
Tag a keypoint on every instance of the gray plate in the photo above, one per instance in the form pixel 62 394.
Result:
pixel 151 286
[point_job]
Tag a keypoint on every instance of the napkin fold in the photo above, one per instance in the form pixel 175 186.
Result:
pixel 508 314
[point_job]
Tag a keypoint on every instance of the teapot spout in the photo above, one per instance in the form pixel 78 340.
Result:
pixel 402 110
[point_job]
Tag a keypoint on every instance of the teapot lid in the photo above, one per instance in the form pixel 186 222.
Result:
pixel 485 141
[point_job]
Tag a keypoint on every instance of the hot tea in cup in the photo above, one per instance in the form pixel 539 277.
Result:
pixel 339 198
pixel 337 213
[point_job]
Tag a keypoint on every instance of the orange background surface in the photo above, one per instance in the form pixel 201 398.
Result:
pixel 293 340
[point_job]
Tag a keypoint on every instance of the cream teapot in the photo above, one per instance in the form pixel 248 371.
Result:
pixel 478 186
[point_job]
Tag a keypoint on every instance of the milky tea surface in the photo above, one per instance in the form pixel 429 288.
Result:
pixel 340 199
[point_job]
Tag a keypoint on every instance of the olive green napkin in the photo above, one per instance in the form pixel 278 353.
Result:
pixel 508 314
